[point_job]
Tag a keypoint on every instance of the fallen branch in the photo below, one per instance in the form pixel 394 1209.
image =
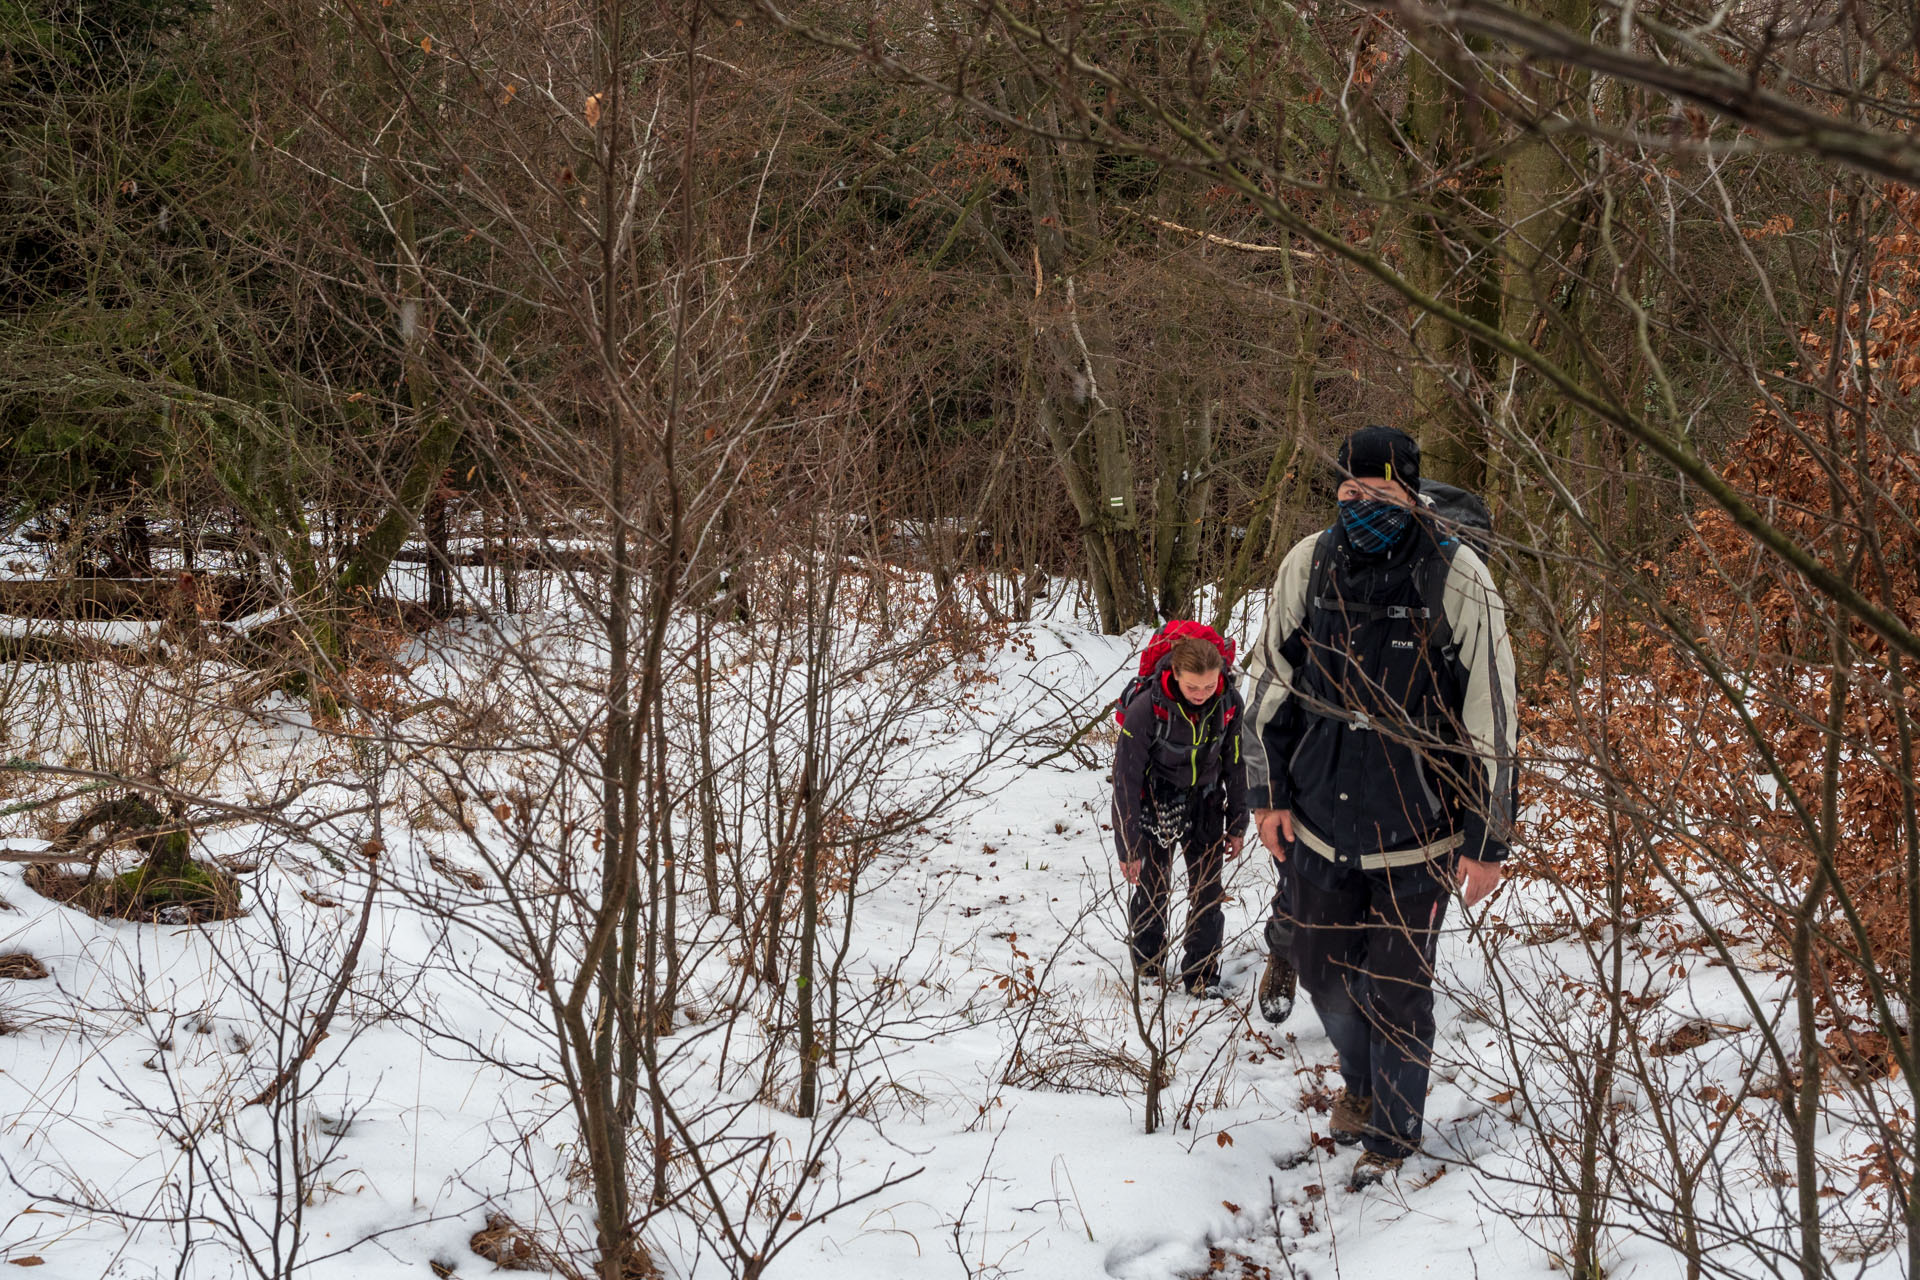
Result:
pixel 44 857
pixel 1220 240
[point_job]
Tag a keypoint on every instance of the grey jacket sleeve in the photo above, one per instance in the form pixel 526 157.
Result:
pixel 1266 740
pixel 1488 712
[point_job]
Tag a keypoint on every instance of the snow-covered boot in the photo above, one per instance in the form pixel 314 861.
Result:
pixel 1350 1116
pixel 1372 1169
pixel 1276 990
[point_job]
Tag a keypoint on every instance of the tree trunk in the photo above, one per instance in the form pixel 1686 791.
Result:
pixel 1541 219
pixel 1184 488
pixel 439 568
pixel 707 788
pixel 370 558
pixel 1109 527
pixel 1446 366
pixel 1073 372
pixel 821 599
pixel 136 543
pixel 1449 443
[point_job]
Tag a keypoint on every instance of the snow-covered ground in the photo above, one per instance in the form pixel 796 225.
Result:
pixel 999 1063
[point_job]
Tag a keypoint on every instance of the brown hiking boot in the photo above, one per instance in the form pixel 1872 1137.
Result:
pixel 1371 1169
pixel 1350 1116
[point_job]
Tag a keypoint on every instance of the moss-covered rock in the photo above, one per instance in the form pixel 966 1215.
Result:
pixel 169 877
pixel 207 893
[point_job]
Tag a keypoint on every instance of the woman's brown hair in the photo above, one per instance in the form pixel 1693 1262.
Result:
pixel 1195 656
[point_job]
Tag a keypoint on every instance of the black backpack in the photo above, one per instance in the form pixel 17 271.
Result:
pixel 1460 517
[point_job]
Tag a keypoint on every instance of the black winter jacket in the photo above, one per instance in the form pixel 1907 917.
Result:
pixel 1388 751
pixel 1177 750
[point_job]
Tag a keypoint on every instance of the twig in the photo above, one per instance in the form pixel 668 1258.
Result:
pixel 1088 1226
pixel 347 966
pixel 421 708
pixel 1279 1237
pixel 1073 741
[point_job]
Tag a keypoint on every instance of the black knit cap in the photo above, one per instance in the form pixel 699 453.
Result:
pixel 1381 451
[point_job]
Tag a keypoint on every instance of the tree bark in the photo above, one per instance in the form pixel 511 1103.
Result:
pixel 1184 488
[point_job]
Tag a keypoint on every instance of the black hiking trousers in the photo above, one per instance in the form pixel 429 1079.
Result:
pixel 1364 945
pixel 1281 917
pixel 1147 923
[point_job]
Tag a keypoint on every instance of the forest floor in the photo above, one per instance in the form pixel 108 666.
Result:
pixel 1002 1072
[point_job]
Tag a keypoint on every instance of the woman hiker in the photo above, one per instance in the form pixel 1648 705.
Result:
pixel 1178 781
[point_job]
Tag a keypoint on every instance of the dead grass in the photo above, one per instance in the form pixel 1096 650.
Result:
pixel 1690 1037
pixel 509 1246
pixel 454 871
pixel 18 964
pixel 1106 1071
pixel 512 1247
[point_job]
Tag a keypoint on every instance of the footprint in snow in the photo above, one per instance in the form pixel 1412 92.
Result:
pixel 1153 1258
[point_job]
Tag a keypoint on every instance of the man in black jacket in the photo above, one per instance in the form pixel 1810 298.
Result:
pixel 1178 780
pixel 1380 745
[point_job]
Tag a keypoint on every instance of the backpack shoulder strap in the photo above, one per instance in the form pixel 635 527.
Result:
pixel 1321 574
pixel 1162 700
pixel 1433 591
pixel 1230 708
pixel 1294 648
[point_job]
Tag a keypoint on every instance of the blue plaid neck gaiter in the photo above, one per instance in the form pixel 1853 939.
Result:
pixel 1374 526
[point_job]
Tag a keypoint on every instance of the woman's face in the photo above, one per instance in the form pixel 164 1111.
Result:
pixel 1197 687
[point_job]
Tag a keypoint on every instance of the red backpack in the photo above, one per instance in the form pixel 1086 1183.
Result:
pixel 1156 653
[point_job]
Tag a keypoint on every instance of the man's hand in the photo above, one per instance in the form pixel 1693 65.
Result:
pixel 1234 845
pixel 1131 870
pixel 1476 880
pixel 1274 826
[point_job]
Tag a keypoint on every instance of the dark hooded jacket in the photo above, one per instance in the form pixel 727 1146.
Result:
pixel 1172 752
pixel 1391 741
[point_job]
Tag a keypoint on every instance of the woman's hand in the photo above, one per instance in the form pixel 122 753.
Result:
pixel 1131 870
